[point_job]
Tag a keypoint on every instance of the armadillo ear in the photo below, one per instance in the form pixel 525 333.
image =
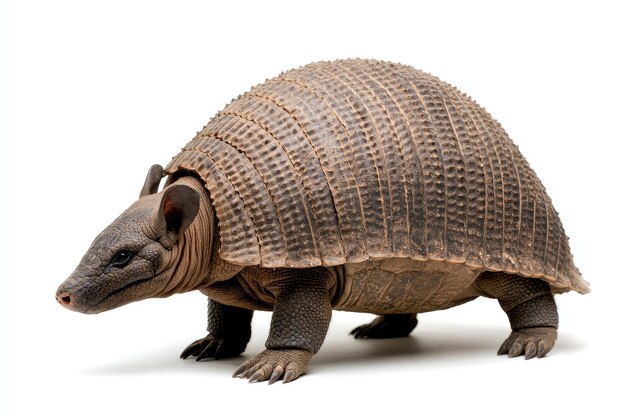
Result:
pixel 179 206
pixel 153 179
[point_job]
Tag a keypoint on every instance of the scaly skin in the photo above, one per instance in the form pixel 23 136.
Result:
pixel 339 162
pixel 396 181
pixel 301 315
pixel 171 235
pixel 301 300
pixel 528 303
pixel 229 333
pixel 274 364
pixel 531 309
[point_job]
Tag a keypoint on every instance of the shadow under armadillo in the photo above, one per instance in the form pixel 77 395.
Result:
pixel 444 344
pixel 448 343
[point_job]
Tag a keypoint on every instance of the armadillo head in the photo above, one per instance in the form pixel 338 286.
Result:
pixel 135 256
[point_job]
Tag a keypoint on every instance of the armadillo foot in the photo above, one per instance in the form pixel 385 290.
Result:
pixel 212 347
pixel 274 364
pixel 532 342
pixel 386 326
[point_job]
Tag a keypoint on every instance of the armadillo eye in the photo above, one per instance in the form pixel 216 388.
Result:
pixel 122 258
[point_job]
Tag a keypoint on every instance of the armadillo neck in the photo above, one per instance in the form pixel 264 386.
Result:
pixel 191 256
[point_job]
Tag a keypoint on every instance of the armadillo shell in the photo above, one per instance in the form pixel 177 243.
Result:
pixel 339 162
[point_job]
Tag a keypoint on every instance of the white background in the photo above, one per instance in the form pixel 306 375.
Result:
pixel 93 93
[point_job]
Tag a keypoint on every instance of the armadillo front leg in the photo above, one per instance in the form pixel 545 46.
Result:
pixel 229 333
pixel 300 319
pixel 531 309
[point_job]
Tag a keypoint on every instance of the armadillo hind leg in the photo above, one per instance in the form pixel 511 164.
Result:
pixel 229 333
pixel 531 309
pixel 386 326
pixel 300 320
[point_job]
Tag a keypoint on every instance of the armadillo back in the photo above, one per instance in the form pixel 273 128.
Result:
pixel 338 162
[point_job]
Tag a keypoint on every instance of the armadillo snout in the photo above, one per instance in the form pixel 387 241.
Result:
pixel 74 294
pixel 64 298
pixel 70 300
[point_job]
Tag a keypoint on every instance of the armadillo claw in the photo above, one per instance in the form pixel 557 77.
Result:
pixel 387 326
pixel 195 348
pixel 360 332
pixel 210 351
pixel 212 347
pixel 276 374
pixel 532 342
pixel 274 364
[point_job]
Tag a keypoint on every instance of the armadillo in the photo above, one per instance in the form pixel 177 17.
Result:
pixel 354 185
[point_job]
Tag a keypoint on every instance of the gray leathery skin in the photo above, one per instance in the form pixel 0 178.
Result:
pixel 302 308
pixel 527 302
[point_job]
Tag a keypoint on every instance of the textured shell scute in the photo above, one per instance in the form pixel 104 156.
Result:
pixel 344 161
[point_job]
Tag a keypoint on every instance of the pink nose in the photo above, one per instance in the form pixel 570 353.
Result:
pixel 64 298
